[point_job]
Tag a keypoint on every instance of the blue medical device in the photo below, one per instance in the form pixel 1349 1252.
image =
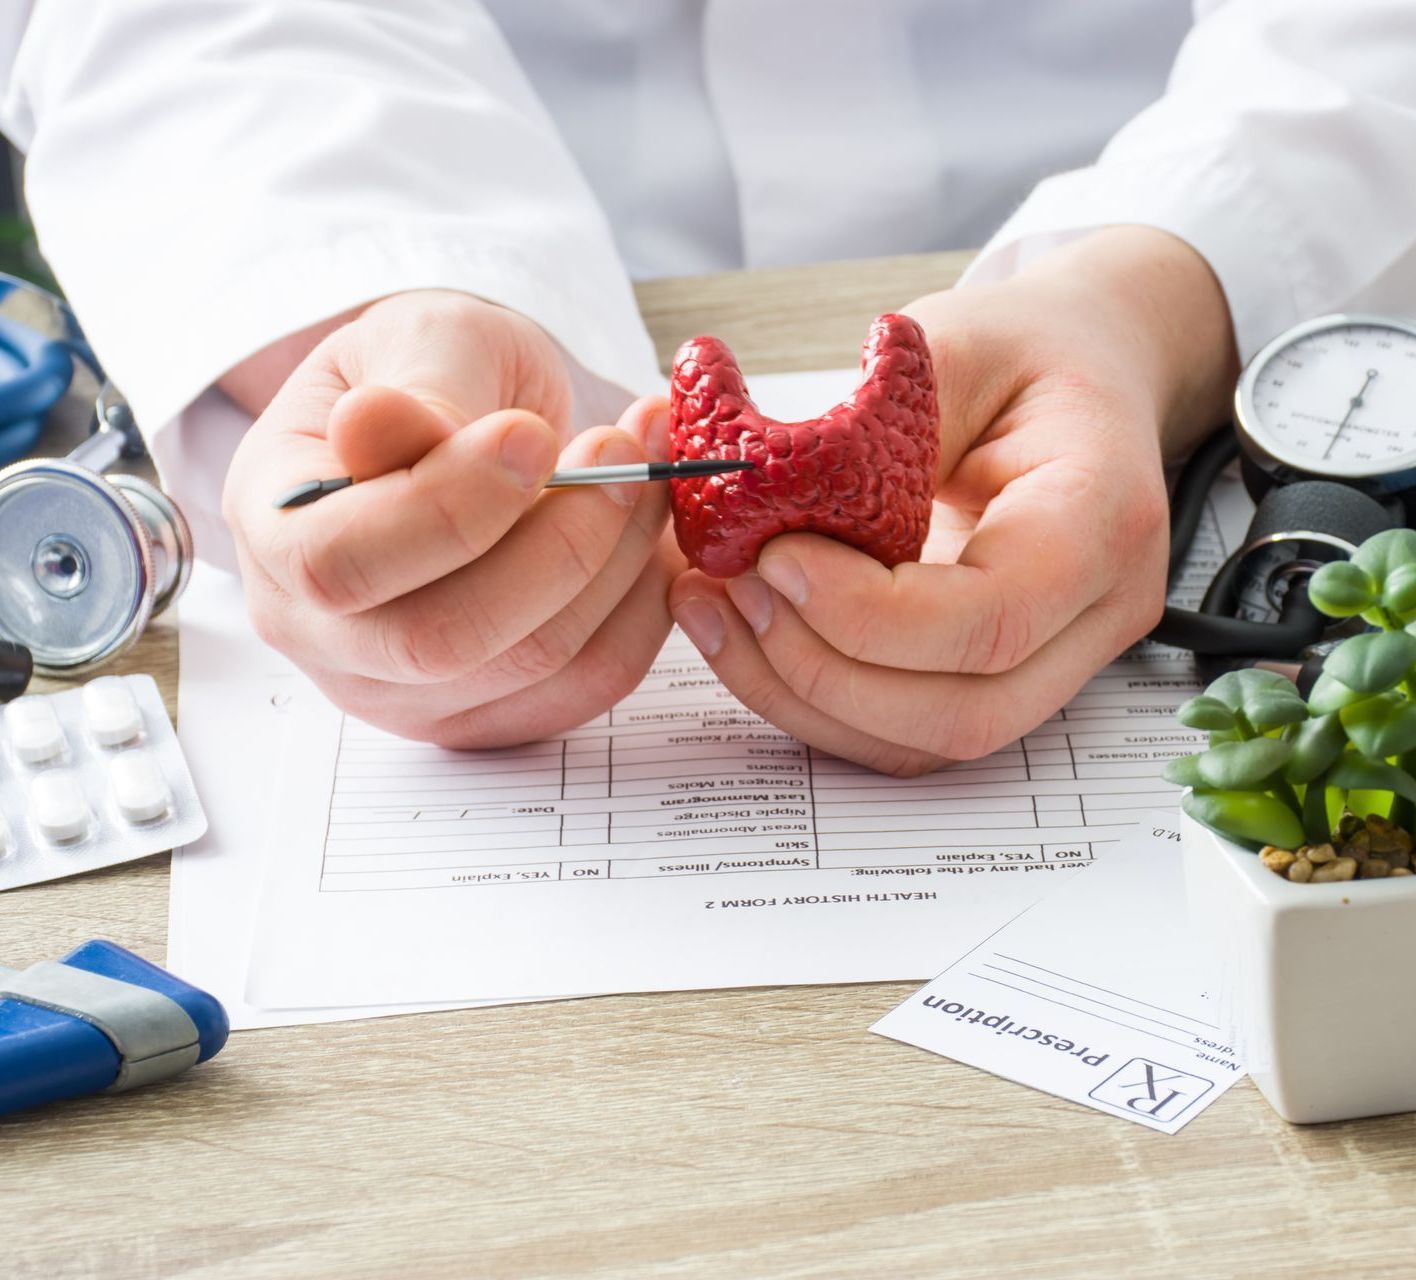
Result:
pixel 101 1020
pixel 36 364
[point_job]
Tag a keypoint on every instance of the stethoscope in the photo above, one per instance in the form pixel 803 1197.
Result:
pixel 1325 432
pixel 86 558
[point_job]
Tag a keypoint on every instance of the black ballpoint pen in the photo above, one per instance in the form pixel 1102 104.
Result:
pixel 313 490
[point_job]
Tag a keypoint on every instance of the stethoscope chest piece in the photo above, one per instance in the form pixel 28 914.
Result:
pixel 85 561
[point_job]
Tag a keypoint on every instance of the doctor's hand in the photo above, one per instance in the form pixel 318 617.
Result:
pixel 446 597
pixel 1060 391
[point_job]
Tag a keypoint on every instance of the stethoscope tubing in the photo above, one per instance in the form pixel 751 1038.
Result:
pixel 43 367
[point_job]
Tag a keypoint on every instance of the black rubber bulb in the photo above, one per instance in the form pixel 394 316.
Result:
pixel 16 667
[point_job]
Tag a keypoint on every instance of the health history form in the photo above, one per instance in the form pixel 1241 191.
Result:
pixel 680 780
pixel 731 852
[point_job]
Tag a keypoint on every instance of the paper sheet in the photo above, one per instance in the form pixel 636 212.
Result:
pixel 1095 994
pixel 235 700
pixel 239 699
pixel 681 842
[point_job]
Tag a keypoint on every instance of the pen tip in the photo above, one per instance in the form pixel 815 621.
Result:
pixel 311 491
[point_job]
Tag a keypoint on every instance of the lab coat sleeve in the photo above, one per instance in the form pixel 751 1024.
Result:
pixel 209 175
pixel 1283 151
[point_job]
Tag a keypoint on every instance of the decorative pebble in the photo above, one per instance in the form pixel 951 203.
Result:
pixel 1388 841
pixel 1339 869
pixel 1370 848
pixel 1277 860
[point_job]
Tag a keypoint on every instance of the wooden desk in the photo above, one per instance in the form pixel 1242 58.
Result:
pixel 729 1133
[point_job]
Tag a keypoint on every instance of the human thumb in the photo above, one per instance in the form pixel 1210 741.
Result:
pixel 376 430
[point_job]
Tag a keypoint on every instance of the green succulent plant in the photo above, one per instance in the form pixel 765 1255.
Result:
pixel 1279 770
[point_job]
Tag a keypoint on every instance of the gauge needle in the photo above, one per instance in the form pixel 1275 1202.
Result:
pixel 1352 406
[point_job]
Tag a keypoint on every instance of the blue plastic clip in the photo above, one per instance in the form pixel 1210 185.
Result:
pixel 99 1020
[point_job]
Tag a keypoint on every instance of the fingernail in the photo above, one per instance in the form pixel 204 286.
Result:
pixel 656 436
pixel 753 599
pixel 617 452
pixel 786 575
pixel 526 453
pixel 702 623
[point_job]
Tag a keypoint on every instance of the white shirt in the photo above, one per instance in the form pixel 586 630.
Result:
pixel 208 175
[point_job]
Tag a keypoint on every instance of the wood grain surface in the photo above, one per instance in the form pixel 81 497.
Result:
pixel 723 1134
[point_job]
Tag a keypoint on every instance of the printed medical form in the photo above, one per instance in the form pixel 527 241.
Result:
pixel 679 841
pixel 681 780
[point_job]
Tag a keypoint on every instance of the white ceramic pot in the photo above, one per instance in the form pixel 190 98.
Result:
pixel 1311 981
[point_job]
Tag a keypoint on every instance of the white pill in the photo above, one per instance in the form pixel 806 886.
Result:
pixel 112 711
pixel 58 807
pixel 35 732
pixel 141 792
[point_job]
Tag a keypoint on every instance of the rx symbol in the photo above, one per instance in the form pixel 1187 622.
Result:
pixel 1151 1089
pixel 1157 1095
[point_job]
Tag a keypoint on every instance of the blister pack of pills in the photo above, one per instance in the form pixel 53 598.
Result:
pixel 90 777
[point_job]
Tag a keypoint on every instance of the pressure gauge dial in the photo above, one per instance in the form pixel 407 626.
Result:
pixel 1334 399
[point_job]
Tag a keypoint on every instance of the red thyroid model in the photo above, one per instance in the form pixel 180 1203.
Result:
pixel 862 473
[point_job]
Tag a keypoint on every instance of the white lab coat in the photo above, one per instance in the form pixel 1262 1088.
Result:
pixel 208 175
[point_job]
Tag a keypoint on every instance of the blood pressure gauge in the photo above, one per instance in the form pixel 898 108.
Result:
pixel 1333 399
pixel 1325 424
